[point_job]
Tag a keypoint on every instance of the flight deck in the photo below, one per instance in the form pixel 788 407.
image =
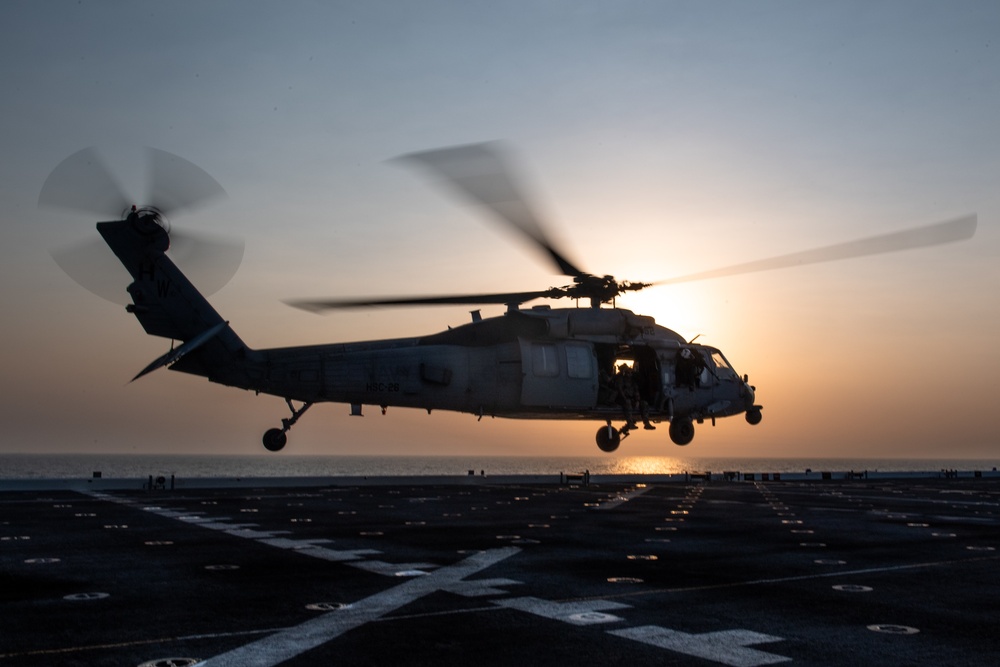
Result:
pixel 503 572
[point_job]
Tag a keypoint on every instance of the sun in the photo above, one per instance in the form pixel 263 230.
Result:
pixel 684 309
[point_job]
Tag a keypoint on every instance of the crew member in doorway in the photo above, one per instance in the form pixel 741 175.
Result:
pixel 689 367
pixel 631 398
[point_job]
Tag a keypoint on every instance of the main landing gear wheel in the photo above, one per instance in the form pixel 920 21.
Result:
pixel 608 438
pixel 274 439
pixel 681 431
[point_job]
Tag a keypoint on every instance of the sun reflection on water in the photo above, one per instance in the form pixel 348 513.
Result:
pixel 647 465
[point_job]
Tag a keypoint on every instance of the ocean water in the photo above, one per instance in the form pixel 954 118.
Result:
pixel 74 466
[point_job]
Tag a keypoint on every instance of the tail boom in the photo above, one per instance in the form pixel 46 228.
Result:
pixel 169 306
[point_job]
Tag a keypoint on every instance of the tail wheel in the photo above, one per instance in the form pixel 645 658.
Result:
pixel 608 438
pixel 274 439
pixel 682 431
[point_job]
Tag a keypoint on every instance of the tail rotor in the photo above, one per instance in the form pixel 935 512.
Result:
pixel 82 183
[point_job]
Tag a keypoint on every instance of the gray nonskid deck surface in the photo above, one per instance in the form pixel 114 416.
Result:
pixel 898 572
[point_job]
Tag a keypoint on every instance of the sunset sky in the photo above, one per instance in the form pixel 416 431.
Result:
pixel 658 138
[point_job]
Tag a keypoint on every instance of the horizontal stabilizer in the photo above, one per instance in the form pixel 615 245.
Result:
pixel 176 354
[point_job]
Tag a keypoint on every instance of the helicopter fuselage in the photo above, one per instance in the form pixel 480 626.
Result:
pixel 532 363
pixel 539 363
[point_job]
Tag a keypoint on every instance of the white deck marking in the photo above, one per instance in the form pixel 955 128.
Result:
pixel 289 643
pixel 310 547
pixel 621 498
pixel 584 612
pixel 390 569
pixel 728 647
pixel 480 587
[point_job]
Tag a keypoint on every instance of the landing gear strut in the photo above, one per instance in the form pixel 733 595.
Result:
pixel 276 438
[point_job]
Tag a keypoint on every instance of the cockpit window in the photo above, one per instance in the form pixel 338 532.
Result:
pixel 720 361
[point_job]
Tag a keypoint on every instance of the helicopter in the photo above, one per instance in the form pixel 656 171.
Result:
pixel 592 361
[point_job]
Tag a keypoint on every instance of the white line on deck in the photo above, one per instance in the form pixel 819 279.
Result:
pixel 289 643
pixel 728 647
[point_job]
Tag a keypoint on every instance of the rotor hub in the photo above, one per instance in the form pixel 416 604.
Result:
pixel 147 219
pixel 599 289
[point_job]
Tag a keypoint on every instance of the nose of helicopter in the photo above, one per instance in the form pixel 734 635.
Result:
pixel 753 415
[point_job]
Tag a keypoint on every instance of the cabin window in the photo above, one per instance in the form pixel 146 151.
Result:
pixel 579 361
pixel 544 362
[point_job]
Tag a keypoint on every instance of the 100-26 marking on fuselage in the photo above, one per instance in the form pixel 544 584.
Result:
pixel 382 386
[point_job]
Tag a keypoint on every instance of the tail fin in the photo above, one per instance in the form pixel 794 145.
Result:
pixel 168 305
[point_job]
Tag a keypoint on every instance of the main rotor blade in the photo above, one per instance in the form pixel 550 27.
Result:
pixel 84 184
pixel 178 185
pixel 479 173
pixel 468 299
pixel 949 231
